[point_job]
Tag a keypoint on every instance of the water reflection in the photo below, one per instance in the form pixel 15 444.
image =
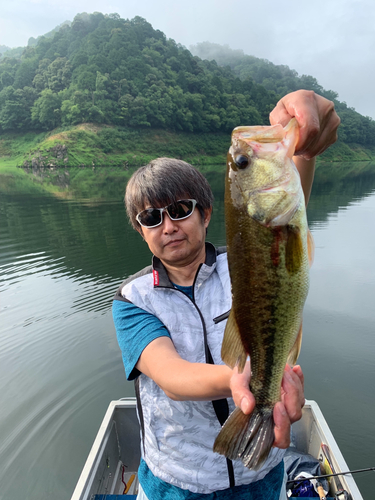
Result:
pixel 60 263
pixel 336 186
pixel 93 240
pixel 59 365
pixel 347 252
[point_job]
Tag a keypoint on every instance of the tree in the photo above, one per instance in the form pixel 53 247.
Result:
pixel 86 80
pixel 15 108
pixel 6 79
pixel 25 73
pixel 46 110
pixel 58 74
pixel 117 71
pixel 133 111
pixel 75 109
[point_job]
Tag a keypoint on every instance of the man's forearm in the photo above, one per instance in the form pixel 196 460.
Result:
pixel 306 169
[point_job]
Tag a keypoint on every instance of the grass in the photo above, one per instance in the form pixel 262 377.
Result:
pixel 91 145
pixel 119 150
pixel 341 152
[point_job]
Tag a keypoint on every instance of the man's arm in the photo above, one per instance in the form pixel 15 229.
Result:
pixel 306 169
pixel 182 380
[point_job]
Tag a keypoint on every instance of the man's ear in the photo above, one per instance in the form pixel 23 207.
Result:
pixel 139 229
pixel 207 216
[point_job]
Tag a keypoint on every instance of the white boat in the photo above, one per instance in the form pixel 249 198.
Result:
pixel 111 467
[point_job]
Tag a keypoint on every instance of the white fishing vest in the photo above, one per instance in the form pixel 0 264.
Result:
pixel 178 436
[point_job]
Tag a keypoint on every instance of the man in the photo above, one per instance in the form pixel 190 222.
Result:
pixel 164 318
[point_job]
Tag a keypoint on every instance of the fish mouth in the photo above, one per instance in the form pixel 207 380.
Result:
pixel 261 135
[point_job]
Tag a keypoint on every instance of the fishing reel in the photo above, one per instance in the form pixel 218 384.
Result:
pixel 342 495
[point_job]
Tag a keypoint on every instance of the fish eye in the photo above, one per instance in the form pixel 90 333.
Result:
pixel 241 161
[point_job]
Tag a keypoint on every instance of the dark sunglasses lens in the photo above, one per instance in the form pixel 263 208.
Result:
pixel 150 217
pixel 180 209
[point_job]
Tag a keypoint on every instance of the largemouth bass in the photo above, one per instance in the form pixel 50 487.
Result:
pixel 269 252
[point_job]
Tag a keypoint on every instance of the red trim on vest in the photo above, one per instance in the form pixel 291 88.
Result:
pixel 156 277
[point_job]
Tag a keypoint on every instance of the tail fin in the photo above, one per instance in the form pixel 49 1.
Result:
pixel 247 437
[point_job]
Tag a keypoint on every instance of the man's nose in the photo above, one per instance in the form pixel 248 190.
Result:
pixel 169 225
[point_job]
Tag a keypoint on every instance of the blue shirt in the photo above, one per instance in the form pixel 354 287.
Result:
pixel 135 329
pixel 267 488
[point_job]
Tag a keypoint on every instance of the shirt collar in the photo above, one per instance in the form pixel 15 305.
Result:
pixel 160 275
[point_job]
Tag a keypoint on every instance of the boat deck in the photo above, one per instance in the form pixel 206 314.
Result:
pixel 110 469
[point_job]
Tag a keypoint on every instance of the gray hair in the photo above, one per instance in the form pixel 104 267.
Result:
pixel 163 181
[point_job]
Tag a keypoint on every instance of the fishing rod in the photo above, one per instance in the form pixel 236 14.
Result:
pixel 332 475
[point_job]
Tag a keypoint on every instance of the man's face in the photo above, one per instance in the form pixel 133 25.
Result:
pixel 178 243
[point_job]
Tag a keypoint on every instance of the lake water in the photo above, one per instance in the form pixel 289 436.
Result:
pixel 60 264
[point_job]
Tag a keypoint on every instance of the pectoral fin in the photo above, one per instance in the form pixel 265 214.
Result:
pixel 294 250
pixel 295 350
pixel 232 350
pixel 310 247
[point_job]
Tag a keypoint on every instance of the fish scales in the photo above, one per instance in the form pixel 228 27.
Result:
pixel 268 256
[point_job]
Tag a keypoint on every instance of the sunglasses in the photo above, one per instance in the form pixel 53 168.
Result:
pixel 153 217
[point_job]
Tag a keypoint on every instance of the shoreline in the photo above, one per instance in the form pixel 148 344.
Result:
pixel 60 162
pixel 89 145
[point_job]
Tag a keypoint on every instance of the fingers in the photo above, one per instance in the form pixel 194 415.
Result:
pixel 298 371
pixel 320 131
pixel 279 114
pixel 286 411
pixel 316 118
pixel 282 426
pixel 292 392
pixel 239 385
pixel 289 409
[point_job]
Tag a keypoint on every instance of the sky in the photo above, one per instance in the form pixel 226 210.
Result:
pixel 332 40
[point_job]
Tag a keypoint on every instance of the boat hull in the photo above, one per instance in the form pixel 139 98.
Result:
pixel 115 455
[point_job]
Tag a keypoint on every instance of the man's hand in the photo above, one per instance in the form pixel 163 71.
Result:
pixel 239 385
pixel 289 409
pixel 286 411
pixel 316 118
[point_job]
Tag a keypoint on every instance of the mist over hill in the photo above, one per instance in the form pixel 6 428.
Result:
pixel 281 79
pixel 108 70
pixel 3 49
pixel 9 52
pixel 34 41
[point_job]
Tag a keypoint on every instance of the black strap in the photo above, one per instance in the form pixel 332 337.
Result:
pixel 222 412
pixel 222 317
pixel 221 408
pixel 140 412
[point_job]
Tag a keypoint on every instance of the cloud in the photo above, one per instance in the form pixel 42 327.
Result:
pixel 332 40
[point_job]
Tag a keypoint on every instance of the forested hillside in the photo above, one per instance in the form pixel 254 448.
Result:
pixel 8 52
pixel 105 69
pixel 280 79
pixel 113 71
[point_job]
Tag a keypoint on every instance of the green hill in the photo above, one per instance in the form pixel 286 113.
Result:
pixel 144 95
pixel 281 79
pixel 105 69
